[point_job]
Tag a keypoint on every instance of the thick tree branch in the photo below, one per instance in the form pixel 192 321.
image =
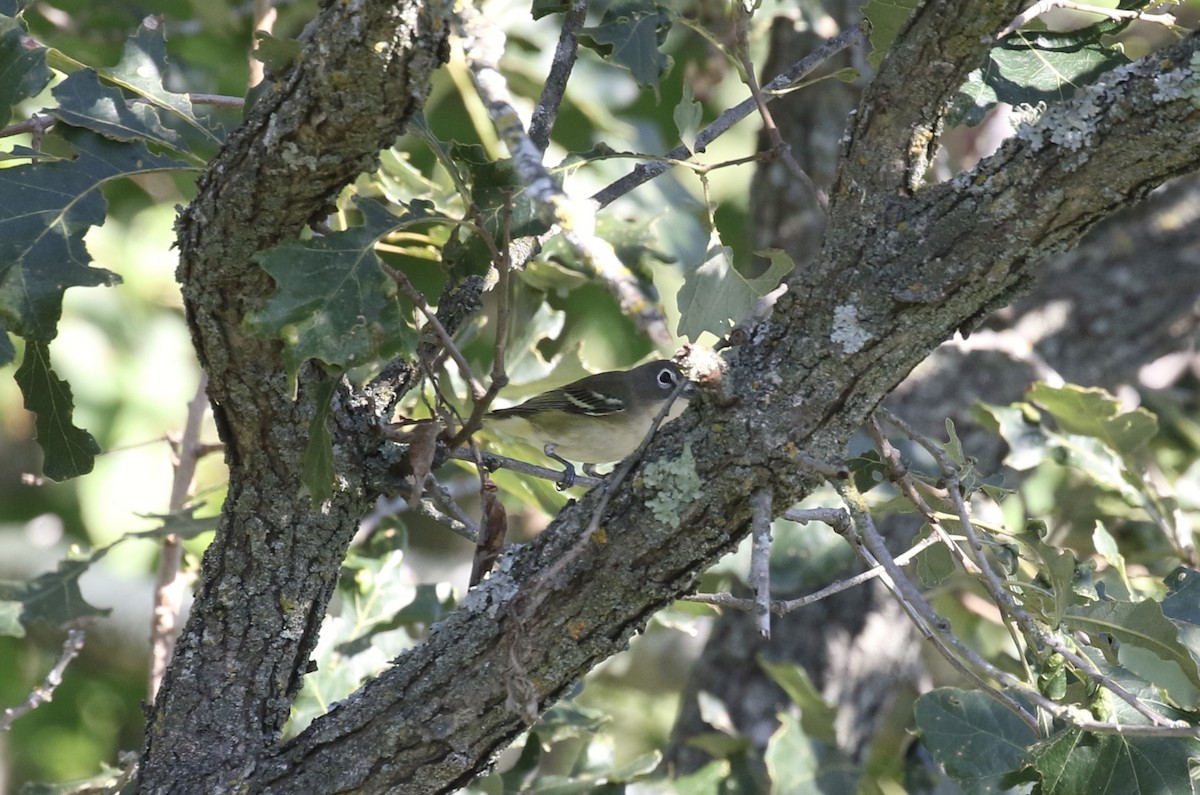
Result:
pixel 896 278
pixel 266 580
pixel 901 113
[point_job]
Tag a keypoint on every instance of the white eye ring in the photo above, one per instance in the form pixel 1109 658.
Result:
pixel 667 378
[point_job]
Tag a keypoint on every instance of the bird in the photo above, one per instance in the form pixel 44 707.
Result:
pixel 597 419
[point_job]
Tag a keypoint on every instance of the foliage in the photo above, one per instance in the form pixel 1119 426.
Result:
pixel 1112 581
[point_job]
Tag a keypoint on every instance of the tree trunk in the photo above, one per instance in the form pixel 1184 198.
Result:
pixel 851 328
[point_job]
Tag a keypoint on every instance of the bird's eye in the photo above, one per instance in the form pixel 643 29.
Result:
pixel 667 378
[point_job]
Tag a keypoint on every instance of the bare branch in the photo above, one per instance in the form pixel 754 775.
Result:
pixel 544 115
pixel 170 587
pixel 647 171
pixel 72 646
pixel 483 45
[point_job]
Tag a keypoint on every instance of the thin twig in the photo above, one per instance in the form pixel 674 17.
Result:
pixel 778 145
pixel 499 376
pixel 898 473
pixel 482 45
pixel 414 295
pixel 72 646
pixel 645 172
pixel 493 461
pixel 35 125
pixel 170 585
pixel 546 112
pixel 783 606
pixel 1035 635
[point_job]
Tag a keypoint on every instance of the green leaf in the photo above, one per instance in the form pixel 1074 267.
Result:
pixel 276 53
pixel 1182 607
pixel 67 451
pixel 10 618
pixel 45 210
pixel 425 608
pixel 1095 413
pixel 705 781
pixel 141 70
pixel 318 473
pixel 687 116
pixel 887 18
pixel 568 720
pixel 869 470
pixel 1106 547
pixel 629 36
pixel 52 598
pixel 184 524
pixel 816 717
pixel 800 765
pixel 715 294
pixel 23 72
pixel 1019 71
pixel 1018 426
pixel 977 741
pixel 1059 570
pixel 84 102
pixel 1140 624
pixel 543 8
pixel 1105 764
pixel 332 302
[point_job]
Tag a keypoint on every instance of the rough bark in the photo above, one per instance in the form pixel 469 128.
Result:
pixel 269 574
pixel 839 342
pixel 1124 297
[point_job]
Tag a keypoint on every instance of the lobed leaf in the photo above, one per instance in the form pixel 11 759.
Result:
pixel 332 302
pixel 83 101
pixel 715 294
pixel 68 451
pixel 23 71
pixel 52 598
pixel 45 210
pixel 1093 412
pixel 629 36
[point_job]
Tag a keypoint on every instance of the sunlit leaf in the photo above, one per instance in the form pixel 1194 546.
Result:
pixel 1017 71
pixel 715 295
pixel 1095 413
pixel 10 618
pixel 801 765
pixel 887 18
pixel 687 116
pixel 1140 624
pixel 142 69
pixel 84 102
pixel 816 716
